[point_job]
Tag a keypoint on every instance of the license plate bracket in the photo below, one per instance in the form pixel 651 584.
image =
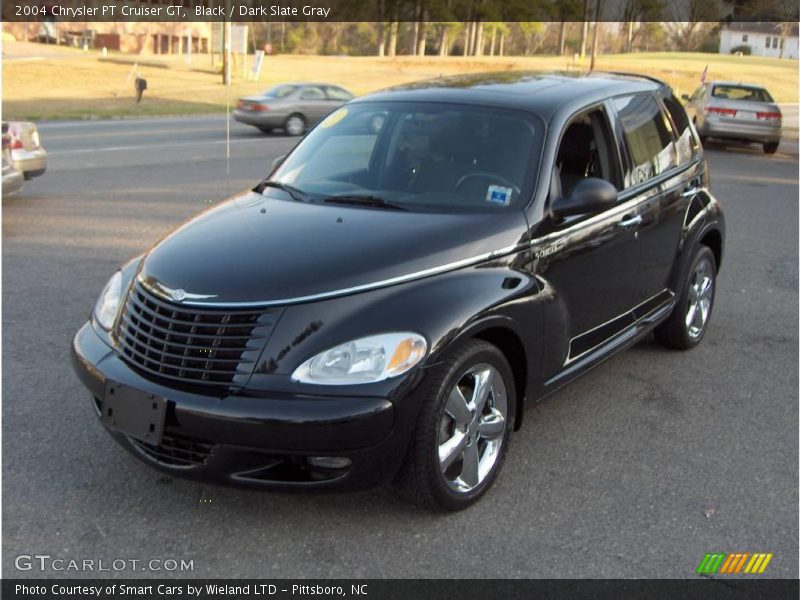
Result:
pixel 134 412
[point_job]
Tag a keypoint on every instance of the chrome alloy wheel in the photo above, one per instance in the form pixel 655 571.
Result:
pixel 295 125
pixel 699 298
pixel 472 428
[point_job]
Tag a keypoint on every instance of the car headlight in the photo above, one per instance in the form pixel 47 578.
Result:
pixel 105 311
pixel 365 360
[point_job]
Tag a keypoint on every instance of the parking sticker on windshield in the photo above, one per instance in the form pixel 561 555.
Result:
pixel 334 118
pixel 499 195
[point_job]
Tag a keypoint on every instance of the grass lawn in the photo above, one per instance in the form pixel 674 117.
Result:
pixel 70 84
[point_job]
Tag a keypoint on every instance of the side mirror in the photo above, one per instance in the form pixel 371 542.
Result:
pixel 684 96
pixel 589 195
pixel 277 162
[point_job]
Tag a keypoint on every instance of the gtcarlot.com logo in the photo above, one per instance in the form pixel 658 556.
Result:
pixel 720 563
pixel 46 562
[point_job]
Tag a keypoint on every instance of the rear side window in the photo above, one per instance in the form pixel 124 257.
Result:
pixel 686 145
pixel 647 136
pixel 335 93
pixel 699 93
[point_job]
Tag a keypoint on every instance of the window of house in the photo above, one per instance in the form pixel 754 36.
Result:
pixel 775 42
pixel 745 37
pixel 768 40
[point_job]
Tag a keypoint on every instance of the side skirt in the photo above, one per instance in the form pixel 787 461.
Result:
pixel 644 318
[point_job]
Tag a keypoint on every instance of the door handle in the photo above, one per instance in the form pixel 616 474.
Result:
pixel 630 221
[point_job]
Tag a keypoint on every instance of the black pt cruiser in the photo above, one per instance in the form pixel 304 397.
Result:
pixel 424 265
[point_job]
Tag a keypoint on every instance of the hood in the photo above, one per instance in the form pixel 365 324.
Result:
pixel 255 248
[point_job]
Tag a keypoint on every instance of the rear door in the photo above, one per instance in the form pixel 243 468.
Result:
pixel 659 183
pixel 314 103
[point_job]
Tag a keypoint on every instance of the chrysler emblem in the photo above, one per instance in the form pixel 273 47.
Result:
pixel 176 295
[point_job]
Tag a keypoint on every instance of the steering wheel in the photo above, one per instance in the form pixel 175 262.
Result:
pixel 484 175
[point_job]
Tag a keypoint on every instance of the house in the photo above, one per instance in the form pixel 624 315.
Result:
pixel 129 36
pixel 779 40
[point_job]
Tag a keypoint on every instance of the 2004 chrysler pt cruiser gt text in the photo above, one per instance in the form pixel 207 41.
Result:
pixel 422 266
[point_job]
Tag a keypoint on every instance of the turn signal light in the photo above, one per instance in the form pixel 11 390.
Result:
pixel 769 116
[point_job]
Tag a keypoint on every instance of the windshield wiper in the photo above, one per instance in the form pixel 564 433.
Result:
pixel 294 192
pixel 366 200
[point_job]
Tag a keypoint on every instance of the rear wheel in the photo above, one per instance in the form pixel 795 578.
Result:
pixel 688 322
pixel 295 125
pixel 771 147
pixel 463 429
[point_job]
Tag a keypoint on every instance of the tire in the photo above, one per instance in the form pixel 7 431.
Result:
pixel 423 478
pixel 295 125
pixel 771 147
pixel 675 332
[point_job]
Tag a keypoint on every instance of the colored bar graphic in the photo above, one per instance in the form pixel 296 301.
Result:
pixel 730 564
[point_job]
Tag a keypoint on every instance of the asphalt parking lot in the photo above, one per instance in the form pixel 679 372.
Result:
pixel 636 470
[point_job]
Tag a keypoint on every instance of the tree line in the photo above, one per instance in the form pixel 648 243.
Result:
pixel 517 27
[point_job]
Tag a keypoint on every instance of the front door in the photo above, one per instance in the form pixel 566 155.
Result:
pixel 588 264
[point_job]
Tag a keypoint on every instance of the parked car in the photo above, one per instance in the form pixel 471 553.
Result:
pixel 742 112
pixel 388 303
pixel 13 180
pixel 292 107
pixel 28 154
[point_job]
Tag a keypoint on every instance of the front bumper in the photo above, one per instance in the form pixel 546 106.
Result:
pixel 263 441
pixel 731 130
pixel 32 163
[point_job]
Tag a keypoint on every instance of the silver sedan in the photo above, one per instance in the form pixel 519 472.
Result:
pixel 292 107
pixel 28 154
pixel 736 111
pixel 13 179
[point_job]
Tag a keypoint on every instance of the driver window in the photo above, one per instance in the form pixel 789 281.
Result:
pixel 585 151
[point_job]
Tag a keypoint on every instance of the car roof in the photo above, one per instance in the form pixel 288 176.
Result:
pixel 307 84
pixel 534 91
pixel 738 83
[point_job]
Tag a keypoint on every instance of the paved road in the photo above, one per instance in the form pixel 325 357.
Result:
pixel 636 470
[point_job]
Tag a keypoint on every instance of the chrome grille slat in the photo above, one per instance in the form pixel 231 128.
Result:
pixel 179 343
pixel 139 331
pixel 165 330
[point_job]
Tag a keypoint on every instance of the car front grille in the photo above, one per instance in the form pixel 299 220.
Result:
pixel 176 451
pixel 188 344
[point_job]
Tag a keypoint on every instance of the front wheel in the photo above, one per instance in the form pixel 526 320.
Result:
pixel 463 429
pixel 688 322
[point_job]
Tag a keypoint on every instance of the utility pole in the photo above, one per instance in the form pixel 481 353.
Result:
pixel 226 46
pixel 598 7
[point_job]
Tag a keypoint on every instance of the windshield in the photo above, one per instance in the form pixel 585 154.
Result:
pixel 418 155
pixel 279 91
pixel 741 92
